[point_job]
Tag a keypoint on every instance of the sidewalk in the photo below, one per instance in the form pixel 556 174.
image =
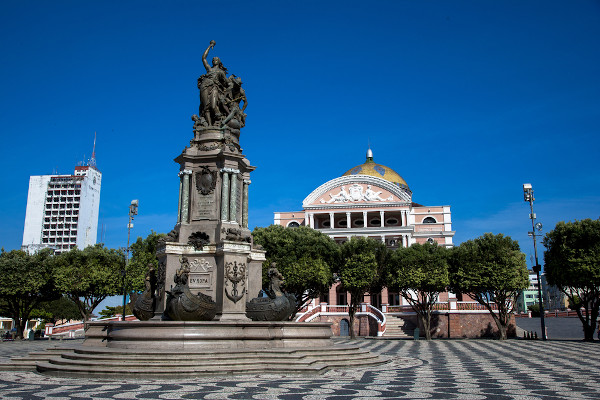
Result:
pixel 440 369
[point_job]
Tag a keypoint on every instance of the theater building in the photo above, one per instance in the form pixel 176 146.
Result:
pixel 373 200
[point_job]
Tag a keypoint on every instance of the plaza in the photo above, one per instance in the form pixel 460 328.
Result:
pixel 439 369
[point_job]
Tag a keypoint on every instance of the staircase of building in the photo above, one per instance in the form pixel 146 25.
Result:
pixel 397 327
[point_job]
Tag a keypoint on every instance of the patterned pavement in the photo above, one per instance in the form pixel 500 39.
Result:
pixel 441 369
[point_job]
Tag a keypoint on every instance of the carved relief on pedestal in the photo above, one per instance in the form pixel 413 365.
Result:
pixel 206 181
pixel 199 240
pixel 160 279
pixel 201 274
pixel 235 279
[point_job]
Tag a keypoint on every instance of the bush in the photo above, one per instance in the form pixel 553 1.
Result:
pixel 535 310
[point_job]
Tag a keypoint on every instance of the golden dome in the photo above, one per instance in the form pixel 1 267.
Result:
pixel 371 168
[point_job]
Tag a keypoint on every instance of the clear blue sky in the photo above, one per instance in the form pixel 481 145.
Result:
pixel 467 100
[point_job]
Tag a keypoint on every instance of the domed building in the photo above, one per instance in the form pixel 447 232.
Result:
pixel 371 200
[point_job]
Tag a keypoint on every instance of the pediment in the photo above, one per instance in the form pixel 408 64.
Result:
pixel 355 190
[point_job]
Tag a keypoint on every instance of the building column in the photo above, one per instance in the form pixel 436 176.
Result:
pixel 233 196
pixel 225 195
pixel 364 219
pixel 331 220
pixel 185 196
pixel 382 218
pixel 180 196
pixel 348 220
pixel 311 220
pixel 383 239
pixel 245 203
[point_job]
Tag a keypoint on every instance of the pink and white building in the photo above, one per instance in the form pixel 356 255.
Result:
pixel 373 200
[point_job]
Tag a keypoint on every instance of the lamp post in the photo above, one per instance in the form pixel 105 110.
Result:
pixel 528 196
pixel 133 210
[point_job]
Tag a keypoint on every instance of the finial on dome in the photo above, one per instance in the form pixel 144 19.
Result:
pixel 369 155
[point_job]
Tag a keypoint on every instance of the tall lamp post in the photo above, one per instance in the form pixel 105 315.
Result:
pixel 528 195
pixel 133 210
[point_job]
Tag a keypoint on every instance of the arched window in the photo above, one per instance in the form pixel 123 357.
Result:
pixel 429 220
pixel 293 224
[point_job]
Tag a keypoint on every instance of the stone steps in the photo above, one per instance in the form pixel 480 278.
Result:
pixel 397 327
pixel 114 362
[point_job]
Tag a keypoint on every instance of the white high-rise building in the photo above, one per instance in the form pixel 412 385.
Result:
pixel 62 210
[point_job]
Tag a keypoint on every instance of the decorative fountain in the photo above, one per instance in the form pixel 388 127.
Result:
pixel 198 314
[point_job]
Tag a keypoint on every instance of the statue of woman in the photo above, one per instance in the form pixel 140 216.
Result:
pixel 212 87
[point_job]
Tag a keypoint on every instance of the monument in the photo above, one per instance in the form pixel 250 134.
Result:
pixel 200 312
pixel 212 223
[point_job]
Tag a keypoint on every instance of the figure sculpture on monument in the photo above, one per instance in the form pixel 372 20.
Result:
pixel 219 95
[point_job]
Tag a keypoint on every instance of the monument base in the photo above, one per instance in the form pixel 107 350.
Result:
pixel 172 349
pixel 156 335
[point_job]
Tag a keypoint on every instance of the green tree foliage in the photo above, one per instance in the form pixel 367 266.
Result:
pixel 490 269
pixel 362 270
pixel 143 254
pixel 57 311
pixel 572 259
pixel 89 276
pixel 109 311
pixel 304 257
pixel 25 281
pixel 420 273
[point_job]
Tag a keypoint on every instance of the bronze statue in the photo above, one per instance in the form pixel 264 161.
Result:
pixel 277 306
pixel 220 97
pixel 182 305
pixel 143 307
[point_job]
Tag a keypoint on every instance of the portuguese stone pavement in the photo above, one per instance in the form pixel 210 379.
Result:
pixel 440 369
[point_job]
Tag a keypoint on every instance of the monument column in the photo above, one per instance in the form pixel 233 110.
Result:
pixel 233 197
pixel 225 195
pixel 180 197
pixel 245 203
pixel 185 197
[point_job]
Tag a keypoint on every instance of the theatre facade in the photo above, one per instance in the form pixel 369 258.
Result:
pixel 372 200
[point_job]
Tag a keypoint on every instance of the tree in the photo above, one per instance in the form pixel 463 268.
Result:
pixel 572 259
pixel 109 311
pixel 61 309
pixel 304 257
pixel 143 254
pixel 420 273
pixel 362 270
pixel 25 281
pixel 490 269
pixel 89 276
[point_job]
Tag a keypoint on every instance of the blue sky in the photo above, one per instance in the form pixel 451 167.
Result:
pixel 467 100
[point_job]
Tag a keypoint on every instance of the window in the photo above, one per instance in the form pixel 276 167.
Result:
pixel 343 223
pixel 429 220
pixel 293 224
pixel 393 299
pixel 391 221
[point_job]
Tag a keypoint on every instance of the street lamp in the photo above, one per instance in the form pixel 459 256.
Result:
pixel 133 210
pixel 528 196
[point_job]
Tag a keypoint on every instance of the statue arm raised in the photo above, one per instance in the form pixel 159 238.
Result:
pixel 210 46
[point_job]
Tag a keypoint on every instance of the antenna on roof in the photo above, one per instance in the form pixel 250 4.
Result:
pixel 92 162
